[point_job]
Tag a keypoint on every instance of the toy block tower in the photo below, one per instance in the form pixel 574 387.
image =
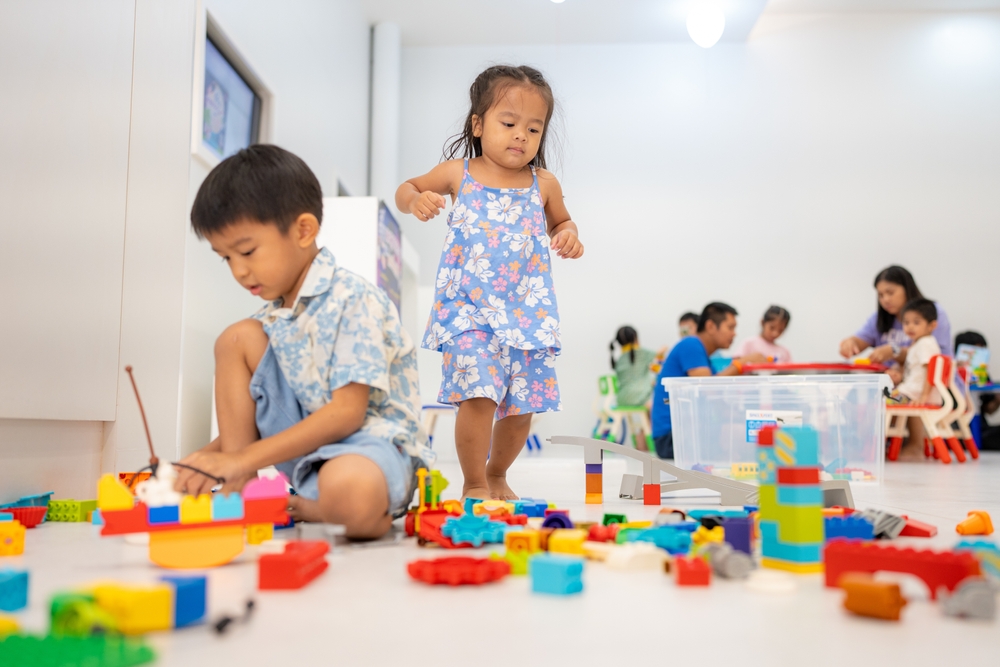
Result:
pixel 791 499
pixel 593 458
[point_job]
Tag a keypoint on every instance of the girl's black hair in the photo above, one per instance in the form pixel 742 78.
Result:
pixel 625 336
pixel 896 275
pixel 777 313
pixel 970 338
pixel 484 93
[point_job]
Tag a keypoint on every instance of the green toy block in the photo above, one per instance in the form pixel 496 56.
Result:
pixel 97 651
pixel 799 525
pixel 767 502
pixel 73 511
pixel 613 518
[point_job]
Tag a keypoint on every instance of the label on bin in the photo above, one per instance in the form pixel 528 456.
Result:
pixel 758 419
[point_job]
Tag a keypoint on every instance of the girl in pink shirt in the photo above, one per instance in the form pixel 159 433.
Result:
pixel 775 321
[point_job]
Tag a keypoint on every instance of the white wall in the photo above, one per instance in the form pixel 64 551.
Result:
pixel 787 170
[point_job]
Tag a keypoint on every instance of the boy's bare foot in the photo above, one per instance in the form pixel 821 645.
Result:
pixel 499 489
pixel 911 453
pixel 303 509
pixel 480 492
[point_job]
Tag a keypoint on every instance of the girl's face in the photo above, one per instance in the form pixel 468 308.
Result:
pixel 771 330
pixel 891 297
pixel 512 128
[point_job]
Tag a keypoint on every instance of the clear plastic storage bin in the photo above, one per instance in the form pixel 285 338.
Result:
pixel 716 419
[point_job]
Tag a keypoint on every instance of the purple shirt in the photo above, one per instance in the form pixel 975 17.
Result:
pixel 869 333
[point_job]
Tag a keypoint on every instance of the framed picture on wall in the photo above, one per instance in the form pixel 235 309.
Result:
pixel 390 254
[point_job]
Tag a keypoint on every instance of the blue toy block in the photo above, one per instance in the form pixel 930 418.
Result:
pixel 227 508
pixel 165 514
pixel 189 599
pixel 852 526
pixel 474 530
pixel 595 468
pixel 739 533
pixel 559 520
pixel 771 547
pixel 470 503
pixel 96 519
pixel 750 509
pixel 725 514
pixel 806 445
pixel 40 500
pixel 557 575
pixel 6 516
pixel 672 540
pixel 530 507
pixel 986 552
pixel 800 494
pixel 13 590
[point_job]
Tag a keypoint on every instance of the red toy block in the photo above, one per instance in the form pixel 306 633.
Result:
pixel 458 570
pixel 944 568
pixel 430 529
pixel 553 510
pixel 691 571
pixel 600 533
pixel 650 494
pixel 300 563
pixel 512 519
pixel 136 520
pixel 914 528
pixel 263 510
pixel 28 516
pixel 798 475
pixel 765 436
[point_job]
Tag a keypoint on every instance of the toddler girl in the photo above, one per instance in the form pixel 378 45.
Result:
pixel 495 317
pixel 775 322
pixel 633 369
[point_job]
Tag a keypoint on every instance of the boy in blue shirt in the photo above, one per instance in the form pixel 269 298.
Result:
pixel 322 381
pixel 690 358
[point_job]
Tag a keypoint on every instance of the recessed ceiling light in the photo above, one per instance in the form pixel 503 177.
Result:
pixel 705 22
pixel 558 1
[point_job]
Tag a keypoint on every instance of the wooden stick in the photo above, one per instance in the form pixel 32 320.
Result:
pixel 153 460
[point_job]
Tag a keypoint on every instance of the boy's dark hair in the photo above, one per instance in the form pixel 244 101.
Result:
pixel 777 313
pixel 625 336
pixel 488 87
pixel 970 338
pixel 899 276
pixel 923 307
pixel 263 183
pixel 689 316
pixel 715 312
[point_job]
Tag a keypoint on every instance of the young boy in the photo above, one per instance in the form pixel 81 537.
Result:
pixel 919 322
pixel 322 381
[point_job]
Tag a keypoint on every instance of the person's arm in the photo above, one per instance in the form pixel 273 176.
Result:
pixel 925 394
pixel 423 196
pixel 562 230
pixel 342 416
pixel 864 338
pixel 942 333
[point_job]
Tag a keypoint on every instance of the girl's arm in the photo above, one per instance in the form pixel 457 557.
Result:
pixel 562 229
pixel 925 395
pixel 423 196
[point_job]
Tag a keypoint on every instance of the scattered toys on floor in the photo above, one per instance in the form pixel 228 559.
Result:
pixel 11 538
pixel 556 575
pixel 977 523
pixel 13 590
pixel 293 568
pixel 867 597
pixel 458 570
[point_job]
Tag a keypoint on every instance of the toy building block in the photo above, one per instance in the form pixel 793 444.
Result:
pixel 473 530
pixel 986 552
pixel 727 562
pixel 458 571
pixel 77 614
pixel 470 504
pixel 112 494
pixel 518 561
pixel 429 530
pixel 567 541
pixel 130 479
pixel 11 538
pixel 738 533
pixel 635 556
pixel 885 525
pixel 13 590
pixel 511 519
pixel 260 532
pixel 556 575
pixel 196 510
pixel 39 500
pixel 206 546
pixel 8 626
pixel 493 508
pixel 96 519
pixel 974 597
pixel 266 487
pixel 71 510
pixel 613 518
pixel 526 541
pixel 226 507
pixel 165 514
pixel 189 599
pixel 914 528
pixel 855 527
pixel 606 533
pixel 597 550
pixel 668 538
pixel 300 563
pixel 977 523
pixel 937 569
pixel 691 571
pixel 704 536
pixel 867 597
pixel 137 609
pixel 557 520
pixel 96 651
pixel 531 507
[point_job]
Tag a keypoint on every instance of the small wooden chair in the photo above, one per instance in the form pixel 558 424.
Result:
pixel 614 421
pixel 964 415
pixel 940 372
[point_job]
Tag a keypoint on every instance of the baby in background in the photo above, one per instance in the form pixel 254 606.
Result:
pixel 919 323
pixel 773 324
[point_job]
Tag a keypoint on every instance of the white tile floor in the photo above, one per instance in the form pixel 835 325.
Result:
pixel 366 611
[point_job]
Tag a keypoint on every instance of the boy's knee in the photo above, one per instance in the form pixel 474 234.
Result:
pixel 242 336
pixel 353 493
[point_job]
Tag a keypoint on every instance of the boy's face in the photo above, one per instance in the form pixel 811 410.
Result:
pixel 266 262
pixel 915 326
pixel 722 334
pixel 511 130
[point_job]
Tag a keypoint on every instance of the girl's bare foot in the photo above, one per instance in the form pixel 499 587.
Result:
pixel 499 489
pixel 303 509
pixel 480 492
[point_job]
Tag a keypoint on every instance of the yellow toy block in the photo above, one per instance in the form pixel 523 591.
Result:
pixel 8 626
pixel 11 538
pixel 744 470
pixel 113 495
pixel 635 524
pixel 518 561
pixel 703 535
pixel 527 541
pixel 594 499
pixel 567 541
pixel 799 524
pixel 789 566
pixel 138 609
pixel 598 550
pixel 196 510
pixel 260 532
pixel 493 508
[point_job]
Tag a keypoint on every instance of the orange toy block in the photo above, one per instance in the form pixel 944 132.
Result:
pixel 595 482
pixel 594 499
pixel 977 523
pixel 11 538
pixel 526 541
pixel 193 549
pixel 196 510
pixel 867 597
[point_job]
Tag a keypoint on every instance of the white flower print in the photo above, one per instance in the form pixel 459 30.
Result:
pixel 467 315
pixel 502 210
pixel 533 290
pixel 479 391
pixel 517 242
pixel 449 280
pixel 466 372
pixel 548 332
pixel 493 347
pixel 449 239
pixel 536 199
pixel 512 337
pixel 436 336
pixel 479 263
pixel 547 358
pixel 464 218
pixel 495 311
pixel 518 383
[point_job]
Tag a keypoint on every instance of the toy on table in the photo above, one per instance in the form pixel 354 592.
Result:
pixel 977 523
pixel 13 590
pixel 11 538
pixel 458 571
pixel 556 575
pixel 867 597
pixel 296 566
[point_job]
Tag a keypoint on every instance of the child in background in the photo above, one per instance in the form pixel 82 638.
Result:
pixel 919 322
pixel 633 368
pixel 687 325
pixel 495 317
pixel 989 403
pixel 773 324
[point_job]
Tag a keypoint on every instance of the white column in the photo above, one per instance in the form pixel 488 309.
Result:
pixel 386 64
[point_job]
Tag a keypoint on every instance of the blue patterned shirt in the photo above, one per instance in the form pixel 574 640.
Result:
pixel 343 329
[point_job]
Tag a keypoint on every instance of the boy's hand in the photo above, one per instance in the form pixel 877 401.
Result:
pixel 230 467
pixel 427 205
pixel 567 244
pixel 881 353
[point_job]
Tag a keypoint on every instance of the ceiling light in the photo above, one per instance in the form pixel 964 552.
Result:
pixel 558 1
pixel 705 22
